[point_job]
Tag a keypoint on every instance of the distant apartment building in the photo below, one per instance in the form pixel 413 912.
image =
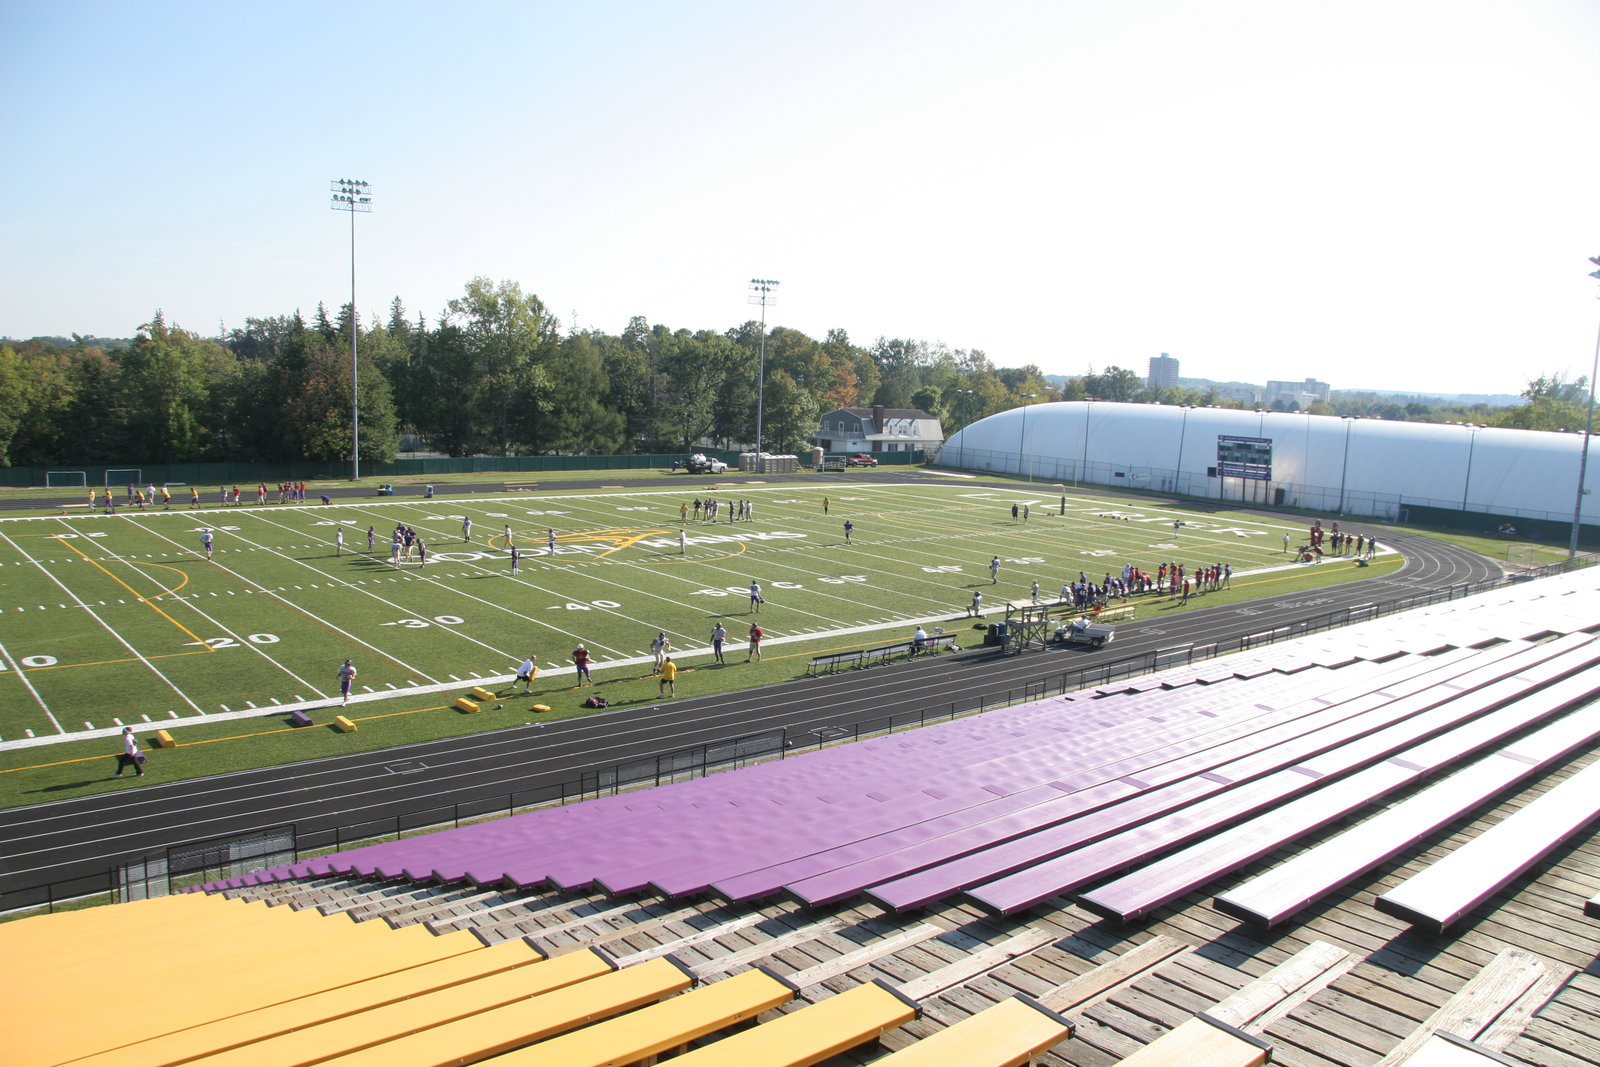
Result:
pixel 1295 395
pixel 1163 372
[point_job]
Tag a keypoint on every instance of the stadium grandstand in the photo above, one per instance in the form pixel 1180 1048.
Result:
pixel 1363 846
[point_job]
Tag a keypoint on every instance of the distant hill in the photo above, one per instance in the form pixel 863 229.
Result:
pixel 1494 400
pixel 105 344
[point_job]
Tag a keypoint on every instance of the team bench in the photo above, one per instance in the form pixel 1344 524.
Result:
pixel 829 662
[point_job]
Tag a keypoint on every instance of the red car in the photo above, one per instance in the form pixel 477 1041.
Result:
pixel 860 459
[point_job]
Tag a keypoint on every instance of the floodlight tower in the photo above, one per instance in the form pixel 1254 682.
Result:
pixel 762 294
pixel 1588 428
pixel 353 196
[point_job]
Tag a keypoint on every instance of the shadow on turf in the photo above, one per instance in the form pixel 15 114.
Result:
pixel 61 787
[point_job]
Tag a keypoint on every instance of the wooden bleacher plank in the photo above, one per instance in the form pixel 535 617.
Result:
pixel 1514 1020
pixel 1092 987
pixel 865 954
pixel 975 963
pixel 1227 1034
pixel 1448 889
pixel 1447 1050
pixel 1009 1033
pixel 763 949
pixel 1294 980
pixel 812 1034
pixel 512 1025
pixel 662 948
pixel 1200 1042
pixel 1277 895
pixel 263 1023
pixel 653 1030
pixel 1475 1007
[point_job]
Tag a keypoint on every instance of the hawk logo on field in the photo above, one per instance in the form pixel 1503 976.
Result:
pixel 617 539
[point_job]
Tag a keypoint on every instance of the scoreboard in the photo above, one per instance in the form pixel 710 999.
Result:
pixel 1244 457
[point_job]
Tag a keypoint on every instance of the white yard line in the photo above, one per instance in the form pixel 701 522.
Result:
pixel 17 669
pixel 417 571
pixel 263 590
pixel 107 626
pixel 241 641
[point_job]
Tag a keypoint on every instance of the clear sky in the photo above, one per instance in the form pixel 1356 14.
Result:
pixel 1398 194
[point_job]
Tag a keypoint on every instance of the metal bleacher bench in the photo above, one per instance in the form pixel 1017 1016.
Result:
pixel 1445 891
pixel 829 662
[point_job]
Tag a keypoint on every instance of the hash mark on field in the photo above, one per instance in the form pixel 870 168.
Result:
pixel 250 704
pixel 224 707
pixel 275 700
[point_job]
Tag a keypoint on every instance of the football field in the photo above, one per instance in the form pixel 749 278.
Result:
pixel 111 619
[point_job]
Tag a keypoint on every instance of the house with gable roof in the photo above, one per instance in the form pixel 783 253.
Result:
pixel 879 429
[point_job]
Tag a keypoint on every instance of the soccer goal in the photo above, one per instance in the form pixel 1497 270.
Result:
pixel 65 479
pixel 124 475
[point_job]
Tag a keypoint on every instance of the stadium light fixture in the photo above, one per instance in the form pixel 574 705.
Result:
pixel 762 295
pixel 350 195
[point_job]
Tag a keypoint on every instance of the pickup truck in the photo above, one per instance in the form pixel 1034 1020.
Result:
pixel 700 464
pixel 1084 632
pixel 860 459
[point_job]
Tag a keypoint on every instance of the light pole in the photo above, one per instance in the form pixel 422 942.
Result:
pixel 1588 428
pixel 965 406
pixel 1183 432
pixel 1022 445
pixel 1083 454
pixel 1344 473
pixel 1471 445
pixel 763 295
pixel 352 196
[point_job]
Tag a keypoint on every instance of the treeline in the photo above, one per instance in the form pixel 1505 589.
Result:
pixel 497 375
pixel 494 375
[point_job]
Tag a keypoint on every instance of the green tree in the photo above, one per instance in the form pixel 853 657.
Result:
pixel 507 333
pixel 163 382
pixel 1553 403
pixel 1116 383
pixel 13 400
pixel 790 416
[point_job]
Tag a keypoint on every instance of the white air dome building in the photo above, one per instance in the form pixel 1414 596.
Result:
pixel 1353 466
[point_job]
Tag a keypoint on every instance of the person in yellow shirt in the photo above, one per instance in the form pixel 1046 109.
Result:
pixel 669 678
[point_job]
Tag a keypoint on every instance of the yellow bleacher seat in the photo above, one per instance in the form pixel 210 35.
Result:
pixel 206 970
pixel 653 1030
pixel 513 1024
pixel 1011 1032
pixel 812 1034
pixel 263 1023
